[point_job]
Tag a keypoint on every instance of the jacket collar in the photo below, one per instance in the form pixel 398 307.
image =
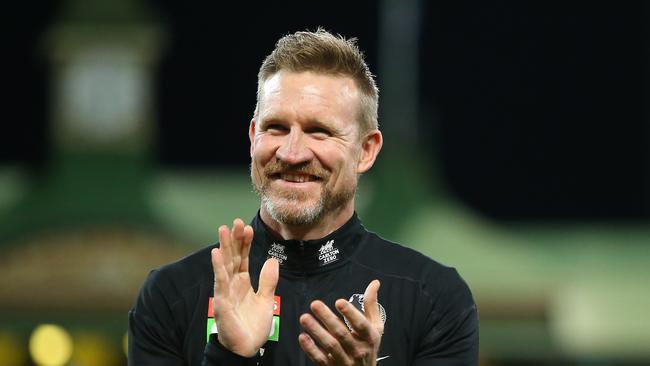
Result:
pixel 306 256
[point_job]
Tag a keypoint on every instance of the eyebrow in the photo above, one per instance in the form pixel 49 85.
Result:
pixel 312 122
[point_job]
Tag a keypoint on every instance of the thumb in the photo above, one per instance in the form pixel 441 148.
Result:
pixel 269 278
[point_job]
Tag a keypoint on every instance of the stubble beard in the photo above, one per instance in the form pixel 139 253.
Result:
pixel 294 208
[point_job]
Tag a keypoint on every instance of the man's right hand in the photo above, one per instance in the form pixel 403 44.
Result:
pixel 243 317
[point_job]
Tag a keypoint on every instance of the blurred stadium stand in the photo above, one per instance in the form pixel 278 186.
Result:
pixel 517 150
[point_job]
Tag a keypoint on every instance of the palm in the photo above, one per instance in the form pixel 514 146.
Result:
pixel 243 317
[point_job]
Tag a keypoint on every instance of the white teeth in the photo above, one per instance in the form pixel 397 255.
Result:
pixel 296 178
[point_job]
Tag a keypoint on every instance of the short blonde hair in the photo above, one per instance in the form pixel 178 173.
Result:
pixel 323 52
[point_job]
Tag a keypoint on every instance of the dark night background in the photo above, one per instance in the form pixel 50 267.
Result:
pixel 537 109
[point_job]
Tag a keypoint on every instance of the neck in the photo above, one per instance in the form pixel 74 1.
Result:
pixel 323 227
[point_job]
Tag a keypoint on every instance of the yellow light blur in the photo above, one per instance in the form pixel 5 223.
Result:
pixel 93 348
pixel 50 345
pixel 11 350
pixel 125 344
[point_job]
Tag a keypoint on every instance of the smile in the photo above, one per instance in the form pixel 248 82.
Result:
pixel 296 178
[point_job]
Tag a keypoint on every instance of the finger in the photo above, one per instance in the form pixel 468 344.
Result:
pixel 334 325
pixel 237 235
pixel 246 248
pixel 371 304
pixel 225 247
pixel 221 279
pixel 360 325
pixel 324 339
pixel 268 278
pixel 311 349
pixel 367 325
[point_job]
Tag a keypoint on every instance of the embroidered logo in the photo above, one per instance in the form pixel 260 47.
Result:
pixel 328 253
pixel 357 301
pixel 274 334
pixel 277 251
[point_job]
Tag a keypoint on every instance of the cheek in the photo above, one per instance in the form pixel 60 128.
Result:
pixel 263 150
pixel 328 156
pixel 339 162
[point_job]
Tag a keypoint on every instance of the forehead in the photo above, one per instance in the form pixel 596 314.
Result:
pixel 309 92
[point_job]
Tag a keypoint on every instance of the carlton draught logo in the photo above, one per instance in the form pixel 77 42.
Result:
pixel 274 335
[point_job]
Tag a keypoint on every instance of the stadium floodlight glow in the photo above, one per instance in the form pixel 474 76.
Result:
pixel 50 345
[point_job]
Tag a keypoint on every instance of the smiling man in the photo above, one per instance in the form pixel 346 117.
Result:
pixel 301 284
pixel 308 152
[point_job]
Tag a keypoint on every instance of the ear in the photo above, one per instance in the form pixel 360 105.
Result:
pixel 370 147
pixel 251 135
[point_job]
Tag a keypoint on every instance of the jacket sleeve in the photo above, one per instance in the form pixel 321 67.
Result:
pixel 449 336
pixel 155 337
pixel 216 355
pixel 152 338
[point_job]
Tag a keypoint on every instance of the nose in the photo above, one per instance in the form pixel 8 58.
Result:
pixel 294 149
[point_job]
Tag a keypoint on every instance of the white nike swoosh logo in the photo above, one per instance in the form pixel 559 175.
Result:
pixel 381 358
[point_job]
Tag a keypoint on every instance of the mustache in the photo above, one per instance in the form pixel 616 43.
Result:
pixel 278 167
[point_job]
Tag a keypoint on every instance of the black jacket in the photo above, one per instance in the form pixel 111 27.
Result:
pixel 430 316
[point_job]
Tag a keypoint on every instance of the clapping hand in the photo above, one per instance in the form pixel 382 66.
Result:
pixel 328 341
pixel 243 316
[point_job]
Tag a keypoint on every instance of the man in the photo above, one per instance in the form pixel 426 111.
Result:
pixel 300 285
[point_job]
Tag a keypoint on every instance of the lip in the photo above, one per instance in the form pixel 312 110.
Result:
pixel 287 183
pixel 296 177
pixel 296 180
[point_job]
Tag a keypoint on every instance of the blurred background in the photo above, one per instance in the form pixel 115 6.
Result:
pixel 517 149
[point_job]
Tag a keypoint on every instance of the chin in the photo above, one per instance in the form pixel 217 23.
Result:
pixel 290 212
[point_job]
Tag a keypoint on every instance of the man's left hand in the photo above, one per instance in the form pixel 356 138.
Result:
pixel 328 341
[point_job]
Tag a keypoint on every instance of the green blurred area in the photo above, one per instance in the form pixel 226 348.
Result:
pixel 570 293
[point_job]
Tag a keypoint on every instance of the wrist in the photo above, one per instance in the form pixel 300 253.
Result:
pixel 219 354
pixel 239 351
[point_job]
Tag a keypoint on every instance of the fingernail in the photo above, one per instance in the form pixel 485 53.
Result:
pixel 341 305
pixel 307 338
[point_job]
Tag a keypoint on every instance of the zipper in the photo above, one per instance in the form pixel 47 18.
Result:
pixel 302 358
pixel 303 272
